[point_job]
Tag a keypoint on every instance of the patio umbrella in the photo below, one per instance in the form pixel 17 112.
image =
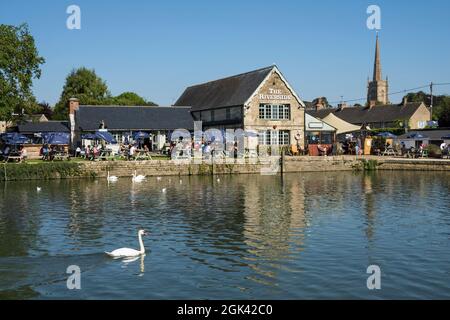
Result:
pixel 447 137
pixel 14 138
pixel 416 135
pixel 104 135
pixel 56 138
pixel 140 135
pixel 386 135
pixel 89 136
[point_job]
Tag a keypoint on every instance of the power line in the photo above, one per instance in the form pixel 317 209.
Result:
pixel 397 92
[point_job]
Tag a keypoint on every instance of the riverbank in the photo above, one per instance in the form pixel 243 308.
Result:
pixel 86 169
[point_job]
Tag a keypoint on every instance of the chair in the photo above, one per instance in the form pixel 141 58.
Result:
pixel 294 150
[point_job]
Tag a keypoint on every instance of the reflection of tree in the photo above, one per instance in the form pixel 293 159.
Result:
pixel 19 218
pixel 20 221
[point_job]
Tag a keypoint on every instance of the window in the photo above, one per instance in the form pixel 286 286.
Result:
pixel 274 111
pixel 262 111
pixel 269 137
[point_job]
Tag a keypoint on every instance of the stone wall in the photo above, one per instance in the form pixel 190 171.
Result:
pixel 72 169
pixel 291 164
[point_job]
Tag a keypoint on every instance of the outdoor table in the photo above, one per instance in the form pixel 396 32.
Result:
pixel 142 154
pixel 61 155
pixel 106 155
pixel 14 158
pixel 389 152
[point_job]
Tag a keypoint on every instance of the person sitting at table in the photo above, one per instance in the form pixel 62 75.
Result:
pixel 77 151
pixel 132 152
pixel 23 154
pixel 146 149
pixel 44 152
pixel 6 151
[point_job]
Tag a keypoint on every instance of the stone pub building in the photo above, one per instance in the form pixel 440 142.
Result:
pixel 260 101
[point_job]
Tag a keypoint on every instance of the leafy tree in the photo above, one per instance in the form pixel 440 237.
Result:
pixel 19 65
pixel 131 99
pixel 46 109
pixel 86 86
pixel 442 112
pixel 441 106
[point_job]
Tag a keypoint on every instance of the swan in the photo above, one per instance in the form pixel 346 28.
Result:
pixel 137 178
pixel 163 190
pixel 38 189
pixel 111 178
pixel 158 178
pixel 127 252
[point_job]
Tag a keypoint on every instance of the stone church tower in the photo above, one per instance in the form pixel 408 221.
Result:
pixel 377 89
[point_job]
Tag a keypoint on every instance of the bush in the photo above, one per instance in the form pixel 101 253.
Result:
pixel 434 151
pixel 42 171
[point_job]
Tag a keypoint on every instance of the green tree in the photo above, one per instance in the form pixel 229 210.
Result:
pixel 46 109
pixel 19 65
pixel 131 99
pixel 442 112
pixel 86 86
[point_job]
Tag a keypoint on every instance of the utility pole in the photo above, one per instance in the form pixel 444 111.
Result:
pixel 431 101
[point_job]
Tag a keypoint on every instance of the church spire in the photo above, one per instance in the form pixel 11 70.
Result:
pixel 377 63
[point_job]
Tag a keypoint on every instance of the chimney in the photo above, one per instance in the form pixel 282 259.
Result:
pixel 74 103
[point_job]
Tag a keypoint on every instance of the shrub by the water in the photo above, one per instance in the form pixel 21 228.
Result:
pixel 42 171
pixel 434 151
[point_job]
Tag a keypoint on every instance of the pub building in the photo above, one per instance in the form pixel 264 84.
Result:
pixel 260 101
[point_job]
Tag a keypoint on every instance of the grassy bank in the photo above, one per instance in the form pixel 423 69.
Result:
pixel 41 170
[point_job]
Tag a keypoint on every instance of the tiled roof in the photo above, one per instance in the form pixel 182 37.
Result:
pixel 227 92
pixel 134 118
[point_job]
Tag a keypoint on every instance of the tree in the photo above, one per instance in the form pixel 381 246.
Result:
pixel 442 112
pixel 131 99
pixel 45 109
pixel 19 65
pixel 86 86
pixel 441 105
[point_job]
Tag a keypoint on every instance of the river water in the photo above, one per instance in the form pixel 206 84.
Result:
pixel 306 236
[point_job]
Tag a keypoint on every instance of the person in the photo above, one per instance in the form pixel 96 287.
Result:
pixel 132 151
pixel 23 154
pixel 77 151
pixel 444 149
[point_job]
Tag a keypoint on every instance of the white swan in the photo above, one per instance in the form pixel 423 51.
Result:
pixel 163 190
pixel 127 252
pixel 111 178
pixel 137 178
pixel 38 189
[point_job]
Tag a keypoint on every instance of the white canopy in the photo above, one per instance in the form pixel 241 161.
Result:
pixel 340 125
pixel 314 124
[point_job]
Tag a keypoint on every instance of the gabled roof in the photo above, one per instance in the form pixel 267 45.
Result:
pixel 226 92
pixel 47 126
pixel 124 118
pixel 381 113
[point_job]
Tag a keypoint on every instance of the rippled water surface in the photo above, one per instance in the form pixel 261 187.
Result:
pixel 243 237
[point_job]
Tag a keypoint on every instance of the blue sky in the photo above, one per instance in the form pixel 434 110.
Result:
pixel 157 48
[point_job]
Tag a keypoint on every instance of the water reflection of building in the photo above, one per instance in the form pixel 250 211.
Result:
pixel 274 223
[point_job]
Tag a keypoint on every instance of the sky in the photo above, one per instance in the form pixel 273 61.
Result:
pixel 158 48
